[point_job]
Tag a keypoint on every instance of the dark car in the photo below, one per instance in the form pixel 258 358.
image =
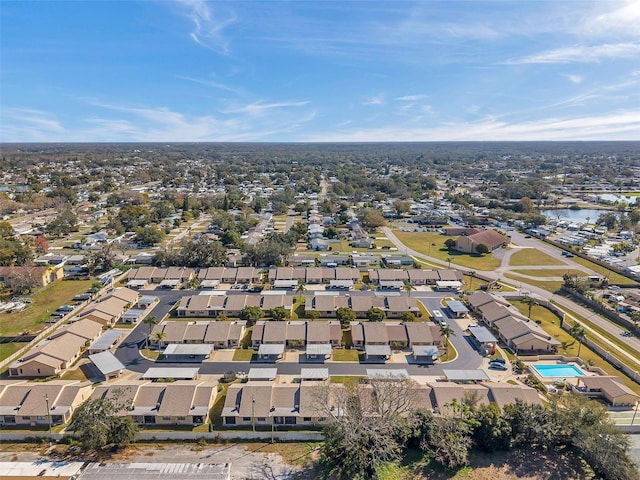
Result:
pixel 498 366
pixel 498 360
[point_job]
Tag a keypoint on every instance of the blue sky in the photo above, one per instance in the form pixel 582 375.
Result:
pixel 303 71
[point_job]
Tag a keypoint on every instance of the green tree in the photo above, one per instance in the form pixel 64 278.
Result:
pixel 97 423
pixel 279 313
pixel 300 289
pixel 472 275
pixel 407 317
pixel 408 287
pixel 577 332
pixel 251 314
pixel 449 243
pixel 446 331
pixel 149 235
pixel 65 222
pixel 150 321
pixel 492 431
pixel 530 302
pixel 376 314
pixel 158 337
pixel 345 316
pixel 481 249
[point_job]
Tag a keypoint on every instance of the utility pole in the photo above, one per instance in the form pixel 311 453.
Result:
pixel 46 399
pixel 253 414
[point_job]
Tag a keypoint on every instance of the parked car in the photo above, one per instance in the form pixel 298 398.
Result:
pixel 498 366
pixel 498 360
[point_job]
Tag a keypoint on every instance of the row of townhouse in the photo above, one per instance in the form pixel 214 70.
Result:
pixel 171 277
pixel 519 333
pixel 218 334
pixel 29 403
pixel 309 403
pixel 183 402
pixel 230 305
pixel 378 338
pixel 110 308
pixel 393 306
pixel 312 275
pixel 319 338
pixel 57 352
pixel 357 260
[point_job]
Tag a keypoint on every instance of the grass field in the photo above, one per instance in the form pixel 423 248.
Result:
pixel 344 355
pixel 48 298
pixel 614 278
pixel 549 286
pixel 8 349
pixel 423 242
pixel 553 272
pixel 243 355
pixel 345 378
pixel 532 256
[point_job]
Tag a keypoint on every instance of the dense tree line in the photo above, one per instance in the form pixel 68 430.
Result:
pixel 375 423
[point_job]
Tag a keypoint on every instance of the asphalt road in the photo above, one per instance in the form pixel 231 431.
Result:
pixel 128 351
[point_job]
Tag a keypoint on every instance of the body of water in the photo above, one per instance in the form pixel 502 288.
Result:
pixel 576 216
pixel 558 371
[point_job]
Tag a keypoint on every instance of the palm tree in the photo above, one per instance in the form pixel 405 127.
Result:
pixel 149 321
pixel 472 274
pixel 158 337
pixel 449 260
pixel 530 302
pixel 577 332
pixel 300 289
pixel 408 287
pixel 446 332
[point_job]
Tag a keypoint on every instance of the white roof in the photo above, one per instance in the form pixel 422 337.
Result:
pixel 177 373
pixel 482 334
pixel 387 373
pixel 271 349
pixel 377 349
pixel 318 349
pixel 262 373
pixel 188 349
pixel 426 351
pixel 106 340
pixel 314 373
pixel 106 362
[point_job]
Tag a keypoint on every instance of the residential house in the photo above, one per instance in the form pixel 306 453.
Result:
pixel 489 238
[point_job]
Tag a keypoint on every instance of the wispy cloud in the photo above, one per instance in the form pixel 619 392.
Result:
pixel 412 98
pixel 261 108
pixel 577 79
pixel 624 125
pixel 624 20
pixel 207 29
pixel 379 99
pixel 212 84
pixel 581 54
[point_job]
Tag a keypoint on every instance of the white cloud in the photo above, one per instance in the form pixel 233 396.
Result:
pixel 621 21
pixel 211 83
pixel 577 79
pixel 623 125
pixel 412 98
pixel 207 30
pixel 377 100
pixel 582 54
pixel 261 108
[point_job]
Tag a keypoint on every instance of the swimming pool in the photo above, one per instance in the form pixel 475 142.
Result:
pixel 557 371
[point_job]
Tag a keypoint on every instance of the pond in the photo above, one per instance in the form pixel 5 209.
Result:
pixel 577 216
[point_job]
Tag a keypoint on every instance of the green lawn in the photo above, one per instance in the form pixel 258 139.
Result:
pixel 423 242
pixel 8 349
pixel 243 355
pixel 344 355
pixel 218 405
pixel 150 354
pixel 532 256
pixel 50 297
pixel 549 286
pixel 553 272
pixel 614 278
pixel 345 378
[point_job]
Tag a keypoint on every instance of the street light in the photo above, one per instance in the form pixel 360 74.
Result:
pixel 46 399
